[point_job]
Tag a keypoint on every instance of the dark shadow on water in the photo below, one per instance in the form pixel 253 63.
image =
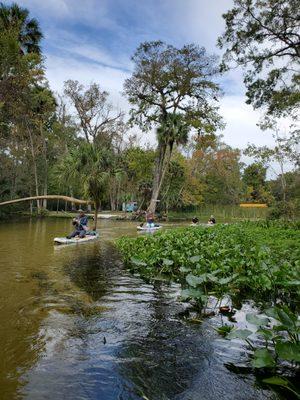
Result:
pixel 175 359
pixel 93 273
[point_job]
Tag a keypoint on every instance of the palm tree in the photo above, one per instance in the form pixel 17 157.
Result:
pixel 15 18
pixel 88 167
pixel 172 130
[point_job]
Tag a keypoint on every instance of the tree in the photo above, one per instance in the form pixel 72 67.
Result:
pixel 138 164
pixel 172 89
pixel 255 185
pixel 216 166
pixel 23 93
pixel 222 179
pixel 88 166
pixel 286 150
pixel 292 179
pixel 95 113
pixel 182 188
pixel 263 36
pixel 16 19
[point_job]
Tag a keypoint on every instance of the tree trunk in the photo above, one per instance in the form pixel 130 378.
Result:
pixel 96 205
pixel 162 164
pixel 283 182
pixel 49 197
pixel 36 181
pixel 73 208
pixel 46 170
pixel 45 194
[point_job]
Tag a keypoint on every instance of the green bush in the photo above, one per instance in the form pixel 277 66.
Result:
pixel 282 210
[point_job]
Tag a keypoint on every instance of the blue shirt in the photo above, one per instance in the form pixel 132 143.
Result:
pixel 82 221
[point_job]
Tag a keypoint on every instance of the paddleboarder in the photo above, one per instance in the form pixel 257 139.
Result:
pixel 81 225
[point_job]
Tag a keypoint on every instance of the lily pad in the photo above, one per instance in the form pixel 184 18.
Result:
pixel 288 351
pixel 168 262
pixel 194 281
pixel 239 334
pixel 263 358
pixel 256 320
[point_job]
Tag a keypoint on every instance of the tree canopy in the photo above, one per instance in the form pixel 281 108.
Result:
pixel 263 36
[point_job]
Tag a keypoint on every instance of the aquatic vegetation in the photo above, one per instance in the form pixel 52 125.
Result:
pixel 245 260
pixel 279 333
pixel 274 344
pixel 224 330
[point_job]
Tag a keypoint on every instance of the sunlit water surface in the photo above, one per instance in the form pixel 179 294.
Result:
pixel 76 325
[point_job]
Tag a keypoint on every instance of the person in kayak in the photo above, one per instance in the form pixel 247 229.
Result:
pixel 195 221
pixel 211 220
pixel 81 225
pixel 150 220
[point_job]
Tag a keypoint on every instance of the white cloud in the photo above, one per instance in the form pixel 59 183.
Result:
pixel 59 69
pixel 241 121
pixel 82 11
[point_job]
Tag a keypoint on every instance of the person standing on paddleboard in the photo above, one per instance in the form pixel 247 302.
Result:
pixel 81 225
pixel 150 220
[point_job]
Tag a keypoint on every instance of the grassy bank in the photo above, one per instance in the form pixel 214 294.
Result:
pixel 222 213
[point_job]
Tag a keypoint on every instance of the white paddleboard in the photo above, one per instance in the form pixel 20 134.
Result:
pixel 77 240
pixel 148 229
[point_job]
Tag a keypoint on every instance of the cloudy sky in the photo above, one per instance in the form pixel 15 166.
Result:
pixel 93 40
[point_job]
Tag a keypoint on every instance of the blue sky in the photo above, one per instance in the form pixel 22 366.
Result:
pixel 93 40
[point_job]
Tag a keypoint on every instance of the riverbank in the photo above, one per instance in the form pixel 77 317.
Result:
pixel 221 213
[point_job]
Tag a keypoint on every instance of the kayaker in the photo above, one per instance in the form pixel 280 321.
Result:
pixel 81 225
pixel 195 221
pixel 211 220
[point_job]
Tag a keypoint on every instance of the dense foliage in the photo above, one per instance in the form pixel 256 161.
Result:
pixel 263 36
pixel 78 143
pixel 244 260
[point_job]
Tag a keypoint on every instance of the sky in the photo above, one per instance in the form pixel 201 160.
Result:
pixel 93 41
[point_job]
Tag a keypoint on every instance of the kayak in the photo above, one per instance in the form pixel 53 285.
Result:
pixel 201 224
pixel 148 228
pixel 77 240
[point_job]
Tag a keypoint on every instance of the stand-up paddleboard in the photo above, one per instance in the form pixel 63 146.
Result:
pixel 76 240
pixel 148 228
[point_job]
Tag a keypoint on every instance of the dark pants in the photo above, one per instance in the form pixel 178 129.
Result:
pixel 77 232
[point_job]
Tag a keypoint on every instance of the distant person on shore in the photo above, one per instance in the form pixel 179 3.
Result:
pixel 195 221
pixel 211 220
pixel 81 225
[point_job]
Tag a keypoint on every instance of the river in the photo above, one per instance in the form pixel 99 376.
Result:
pixel 76 325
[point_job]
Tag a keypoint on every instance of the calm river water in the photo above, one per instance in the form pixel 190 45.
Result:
pixel 76 325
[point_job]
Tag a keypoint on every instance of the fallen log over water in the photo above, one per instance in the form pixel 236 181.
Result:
pixel 48 197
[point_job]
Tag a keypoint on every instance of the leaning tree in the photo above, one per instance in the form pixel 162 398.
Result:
pixel 172 90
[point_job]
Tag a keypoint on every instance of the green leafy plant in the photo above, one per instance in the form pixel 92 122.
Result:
pixel 224 330
pixel 258 260
pixel 280 334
